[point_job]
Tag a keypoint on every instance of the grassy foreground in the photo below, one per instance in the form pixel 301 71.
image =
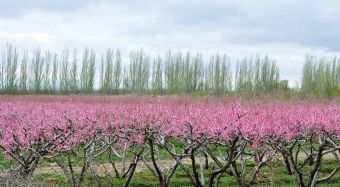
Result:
pixel 274 174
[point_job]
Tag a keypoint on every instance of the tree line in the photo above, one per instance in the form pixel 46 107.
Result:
pixel 73 71
pixel 321 75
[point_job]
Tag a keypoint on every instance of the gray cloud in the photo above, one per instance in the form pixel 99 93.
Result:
pixel 17 8
pixel 287 30
pixel 304 22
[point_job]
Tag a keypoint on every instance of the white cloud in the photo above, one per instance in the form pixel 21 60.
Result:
pixel 284 30
pixel 37 37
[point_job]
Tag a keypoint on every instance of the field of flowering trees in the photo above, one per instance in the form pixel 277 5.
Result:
pixel 203 140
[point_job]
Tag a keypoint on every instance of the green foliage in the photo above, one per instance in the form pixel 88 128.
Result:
pixel 106 72
pixel 139 72
pixel 173 73
pixel 321 76
pixel 259 74
pixel 37 71
pixel 183 73
pixel 218 76
pixel 157 76
pixel 23 74
pixel 10 60
pixel 54 81
pixel 74 74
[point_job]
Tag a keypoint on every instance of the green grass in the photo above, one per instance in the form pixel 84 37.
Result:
pixel 4 163
pixel 273 175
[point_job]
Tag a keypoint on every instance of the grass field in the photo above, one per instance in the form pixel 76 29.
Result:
pixel 272 175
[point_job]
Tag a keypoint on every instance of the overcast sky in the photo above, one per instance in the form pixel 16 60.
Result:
pixel 286 30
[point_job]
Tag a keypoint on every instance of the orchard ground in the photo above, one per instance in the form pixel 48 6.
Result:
pixel 49 175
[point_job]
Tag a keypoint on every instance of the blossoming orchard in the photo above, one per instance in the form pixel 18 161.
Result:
pixel 204 139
